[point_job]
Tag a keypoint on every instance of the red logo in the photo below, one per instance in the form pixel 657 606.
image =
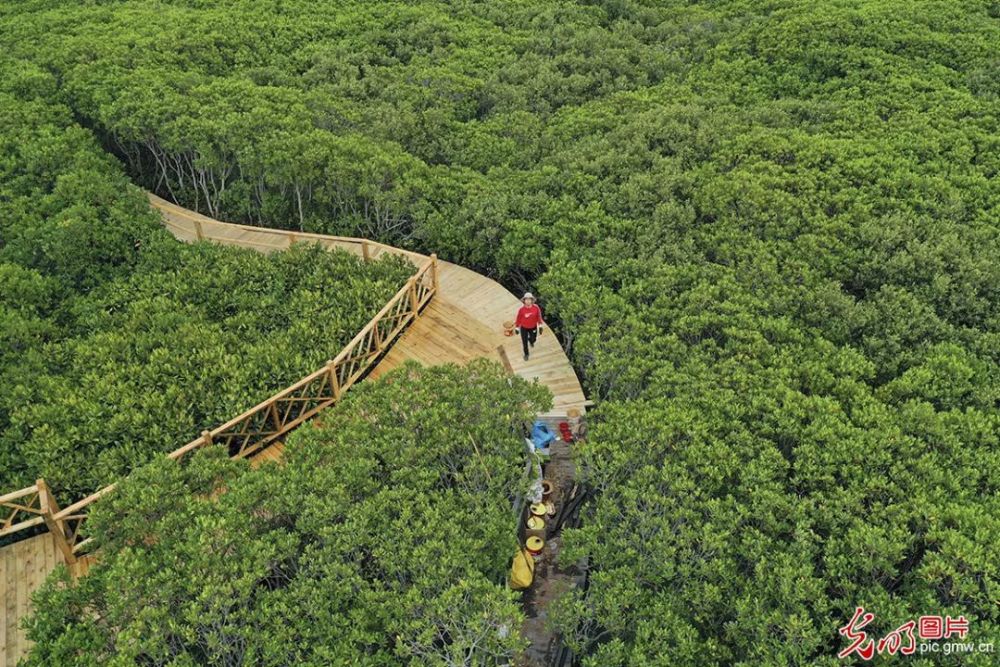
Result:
pixel 902 640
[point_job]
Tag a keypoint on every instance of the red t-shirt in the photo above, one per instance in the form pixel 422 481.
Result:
pixel 528 317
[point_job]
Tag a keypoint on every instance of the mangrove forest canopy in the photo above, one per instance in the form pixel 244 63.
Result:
pixel 767 232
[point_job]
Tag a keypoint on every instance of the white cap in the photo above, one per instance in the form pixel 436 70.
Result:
pixel 528 295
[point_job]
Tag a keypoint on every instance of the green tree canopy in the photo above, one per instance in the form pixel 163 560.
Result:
pixel 766 229
pixel 383 537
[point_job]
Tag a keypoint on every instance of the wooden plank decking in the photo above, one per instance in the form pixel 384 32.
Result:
pixel 23 568
pixel 463 322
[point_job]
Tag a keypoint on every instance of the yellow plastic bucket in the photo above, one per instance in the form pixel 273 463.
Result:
pixel 535 527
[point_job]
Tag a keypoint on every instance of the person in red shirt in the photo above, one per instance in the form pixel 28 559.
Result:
pixel 529 321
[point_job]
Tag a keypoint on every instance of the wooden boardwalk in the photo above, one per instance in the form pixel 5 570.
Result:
pixel 464 321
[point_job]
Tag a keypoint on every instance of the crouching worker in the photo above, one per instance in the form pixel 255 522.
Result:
pixel 529 322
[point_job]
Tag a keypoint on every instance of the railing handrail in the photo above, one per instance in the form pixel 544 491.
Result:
pixel 69 510
pixel 401 294
pixel 65 523
pixel 17 495
pixel 197 220
pixel 311 236
pixel 292 388
pixel 11 510
pixel 221 428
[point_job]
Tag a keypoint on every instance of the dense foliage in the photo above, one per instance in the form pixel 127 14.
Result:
pixel 768 228
pixel 383 538
pixel 118 342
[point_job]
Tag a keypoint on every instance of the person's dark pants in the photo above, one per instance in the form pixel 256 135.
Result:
pixel 528 336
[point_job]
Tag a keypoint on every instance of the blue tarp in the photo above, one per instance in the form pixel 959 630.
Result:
pixel 541 436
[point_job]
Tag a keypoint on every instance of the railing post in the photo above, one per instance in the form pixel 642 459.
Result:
pixel 413 296
pixel 275 416
pixel 334 380
pixel 434 270
pixel 197 230
pixel 206 437
pixel 50 508
pixel 364 250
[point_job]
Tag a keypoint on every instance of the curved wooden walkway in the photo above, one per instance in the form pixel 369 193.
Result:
pixel 463 322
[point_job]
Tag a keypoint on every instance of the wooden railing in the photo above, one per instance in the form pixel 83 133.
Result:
pixel 190 226
pixel 250 431
pixel 21 510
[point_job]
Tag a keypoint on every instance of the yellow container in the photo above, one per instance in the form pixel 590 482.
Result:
pixel 535 527
pixel 538 509
pixel 534 545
